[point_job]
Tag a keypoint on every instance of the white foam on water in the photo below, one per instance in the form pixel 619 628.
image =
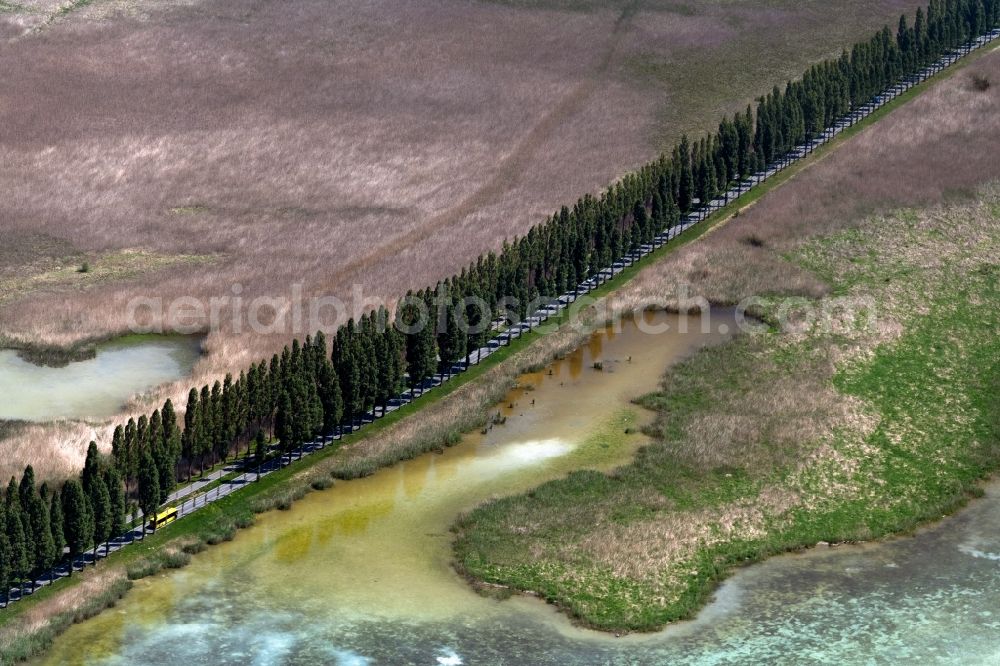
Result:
pixel 523 454
pixel 450 658
pixel 271 648
pixel 980 554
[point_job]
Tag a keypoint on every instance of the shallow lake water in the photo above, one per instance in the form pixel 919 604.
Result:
pixel 360 573
pixel 96 387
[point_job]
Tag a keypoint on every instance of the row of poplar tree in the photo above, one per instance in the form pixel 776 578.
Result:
pixel 310 389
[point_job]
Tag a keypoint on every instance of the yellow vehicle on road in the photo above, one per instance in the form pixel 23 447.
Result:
pixel 165 517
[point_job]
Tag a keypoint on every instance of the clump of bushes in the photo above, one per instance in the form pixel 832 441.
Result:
pixel 221 532
pixel 167 559
pixel 194 547
pixel 176 559
pixel 244 520
pixel 143 568
pixel 321 482
pixel 980 82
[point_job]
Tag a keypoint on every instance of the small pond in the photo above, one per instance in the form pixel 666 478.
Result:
pixel 96 387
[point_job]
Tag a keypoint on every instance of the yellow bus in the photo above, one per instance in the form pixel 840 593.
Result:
pixel 165 517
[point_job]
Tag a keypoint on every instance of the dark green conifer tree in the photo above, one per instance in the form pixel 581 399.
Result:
pixel 189 438
pixel 149 489
pixel 205 427
pixel 328 386
pixel 414 321
pixel 38 529
pixel 686 192
pixel 56 523
pixel 220 444
pixel 284 423
pixel 451 339
pixel 346 365
pixel 21 550
pixel 79 522
pixel 119 453
pixel 132 453
pixel 6 555
pixel 260 450
pixel 116 499
pixel 101 509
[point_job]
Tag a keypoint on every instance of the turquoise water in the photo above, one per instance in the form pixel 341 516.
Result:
pixel 96 387
pixel 934 598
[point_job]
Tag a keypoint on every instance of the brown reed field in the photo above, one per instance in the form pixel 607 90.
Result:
pixel 939 147
pixel 180 148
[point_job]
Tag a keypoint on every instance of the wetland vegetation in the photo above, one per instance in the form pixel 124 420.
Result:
pixel 768 444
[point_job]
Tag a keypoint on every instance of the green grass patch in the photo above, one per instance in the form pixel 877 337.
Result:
pixel 605 547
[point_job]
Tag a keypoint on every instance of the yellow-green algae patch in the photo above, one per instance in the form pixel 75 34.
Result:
pixel 379 548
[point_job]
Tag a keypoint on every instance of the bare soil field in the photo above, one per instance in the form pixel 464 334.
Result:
pixel 378 144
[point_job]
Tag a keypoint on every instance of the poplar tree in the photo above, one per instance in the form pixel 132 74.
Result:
pixel 56 525
pixel 219 445
pixel 119 453
pixel 205 427
pixel 396 357
pixel 149 490
pixel 163 431
pixel 229 415
pixel 91 467
pixel 79 523
pixel 155 436
pixel 189 437
pixel 640 221
pixel 273 390
pixel 171 434
pixel 367 362
pixel 315 410
pixel 284 423
pixel 116 497
pixel 20 550
pixel 683 157
pixel 451 339
pixel 131 453
pixel 477 330
pixel 39 531
pixel 259 450
pixel 345 362
pixel 100 505
pixel 6 556
pixel 328 386
pixel 418 329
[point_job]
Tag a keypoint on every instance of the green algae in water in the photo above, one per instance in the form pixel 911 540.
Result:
pixel 361 573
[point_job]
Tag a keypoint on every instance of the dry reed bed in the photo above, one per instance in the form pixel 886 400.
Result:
pixel 941 145
pixel 339 144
